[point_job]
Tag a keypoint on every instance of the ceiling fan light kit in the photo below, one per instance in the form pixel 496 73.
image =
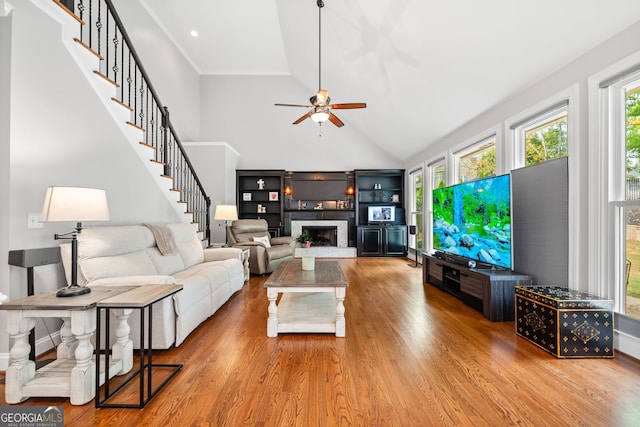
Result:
pixel 320 109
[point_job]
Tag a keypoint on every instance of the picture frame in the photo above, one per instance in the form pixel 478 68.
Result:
pixel 273 196
pixel 246 197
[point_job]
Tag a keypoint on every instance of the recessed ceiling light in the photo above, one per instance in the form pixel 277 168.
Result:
pixel 194 33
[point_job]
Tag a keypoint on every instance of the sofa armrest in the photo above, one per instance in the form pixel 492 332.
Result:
pixel 134 280
pixel 283 240
pixel 220 254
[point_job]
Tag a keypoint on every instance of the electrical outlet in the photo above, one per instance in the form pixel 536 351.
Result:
pixel 33 221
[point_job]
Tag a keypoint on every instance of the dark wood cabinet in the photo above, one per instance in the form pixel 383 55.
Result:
pixel 260 196
pixel 489 291
pixel 380 187
pixel 382 240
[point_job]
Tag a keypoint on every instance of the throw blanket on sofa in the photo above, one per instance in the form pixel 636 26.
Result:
pixel 164 238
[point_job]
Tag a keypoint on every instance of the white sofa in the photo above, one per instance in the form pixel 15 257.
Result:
pixel 129 255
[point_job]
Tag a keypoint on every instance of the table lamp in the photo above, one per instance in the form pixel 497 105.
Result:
pixel 226 213
pixel 74 204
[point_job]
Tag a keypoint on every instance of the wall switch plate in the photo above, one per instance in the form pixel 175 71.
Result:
pixel 33 221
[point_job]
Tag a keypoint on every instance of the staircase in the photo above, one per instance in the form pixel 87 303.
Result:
pixel 98 43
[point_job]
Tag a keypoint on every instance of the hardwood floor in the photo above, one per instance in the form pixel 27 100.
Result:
pixel 412 356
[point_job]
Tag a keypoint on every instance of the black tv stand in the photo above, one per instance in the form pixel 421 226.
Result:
pixel 491 291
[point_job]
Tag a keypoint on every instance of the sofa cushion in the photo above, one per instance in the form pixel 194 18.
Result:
pixel 215 273
pixel 130 264
pixel 108 241
pixel 135 281
pixel 195 288
pixel 165 264
pixel 189 246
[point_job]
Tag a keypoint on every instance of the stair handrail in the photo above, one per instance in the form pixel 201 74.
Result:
pixel 145 117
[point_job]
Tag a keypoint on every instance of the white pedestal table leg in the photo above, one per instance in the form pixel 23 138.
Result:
pixel 272 321
pixel 20 369
pixel 341 325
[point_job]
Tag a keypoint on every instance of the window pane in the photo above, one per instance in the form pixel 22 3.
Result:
pixel 439 176
pixel 547 140
pixel 632 126
pixel 418 197
pixel 478 163
pixel 632 261
pixel 419 234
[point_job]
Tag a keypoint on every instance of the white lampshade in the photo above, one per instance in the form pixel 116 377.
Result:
pixel 226 213
pixel 75 204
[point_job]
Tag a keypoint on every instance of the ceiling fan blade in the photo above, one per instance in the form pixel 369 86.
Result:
pixel 335 120
pixel 292 105
pixel 306 116
pixel 348 106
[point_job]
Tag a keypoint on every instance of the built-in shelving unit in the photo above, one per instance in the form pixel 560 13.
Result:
pixel 260 196
pixel 380 187
pixel 280 196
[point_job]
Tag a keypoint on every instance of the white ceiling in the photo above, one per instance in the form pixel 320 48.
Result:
pixel 424 67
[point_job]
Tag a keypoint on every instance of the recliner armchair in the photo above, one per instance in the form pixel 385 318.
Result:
pixel 266 252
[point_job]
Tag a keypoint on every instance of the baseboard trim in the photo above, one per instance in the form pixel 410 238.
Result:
pixel 627 344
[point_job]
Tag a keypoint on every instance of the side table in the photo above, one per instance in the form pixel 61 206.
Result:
pixel 72 373
pixel 139 298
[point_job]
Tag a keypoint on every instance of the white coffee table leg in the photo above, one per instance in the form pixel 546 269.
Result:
pixel 21 369
pixel 272 321
pixel 341 326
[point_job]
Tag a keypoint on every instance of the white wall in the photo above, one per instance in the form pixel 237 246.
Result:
pixel 5 122
pixel 240 110
pixel 216 165
pixel 174 79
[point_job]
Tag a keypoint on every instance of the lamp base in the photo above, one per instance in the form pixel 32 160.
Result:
pixel 73 291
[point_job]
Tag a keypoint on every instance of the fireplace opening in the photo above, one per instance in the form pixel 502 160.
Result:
pixel 322 235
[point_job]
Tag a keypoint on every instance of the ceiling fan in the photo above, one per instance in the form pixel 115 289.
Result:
pixel 320 108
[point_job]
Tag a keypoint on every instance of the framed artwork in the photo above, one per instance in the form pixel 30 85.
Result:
pixel 273 196
pixel 246 197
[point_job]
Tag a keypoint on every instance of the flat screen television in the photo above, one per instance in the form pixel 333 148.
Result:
pixel 381 214
pixel 473 220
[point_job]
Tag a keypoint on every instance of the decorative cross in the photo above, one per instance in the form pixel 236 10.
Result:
pixel 260 184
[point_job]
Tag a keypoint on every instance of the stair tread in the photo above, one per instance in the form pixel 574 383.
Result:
pixel 107 79
pixel 117 101
pixel 70 13
pixel 84 45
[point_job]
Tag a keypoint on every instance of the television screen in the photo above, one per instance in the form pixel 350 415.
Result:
pixel 473 220
pixel 381 214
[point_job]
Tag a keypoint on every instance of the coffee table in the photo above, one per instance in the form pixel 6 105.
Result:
pixel 312 300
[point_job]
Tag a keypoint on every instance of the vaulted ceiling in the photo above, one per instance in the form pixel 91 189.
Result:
pixel 424 67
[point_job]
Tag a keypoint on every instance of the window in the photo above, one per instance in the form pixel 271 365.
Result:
pixel 630 116
pixel 543 136
pixel 437 173
pixel 416 241
pixel 477 161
